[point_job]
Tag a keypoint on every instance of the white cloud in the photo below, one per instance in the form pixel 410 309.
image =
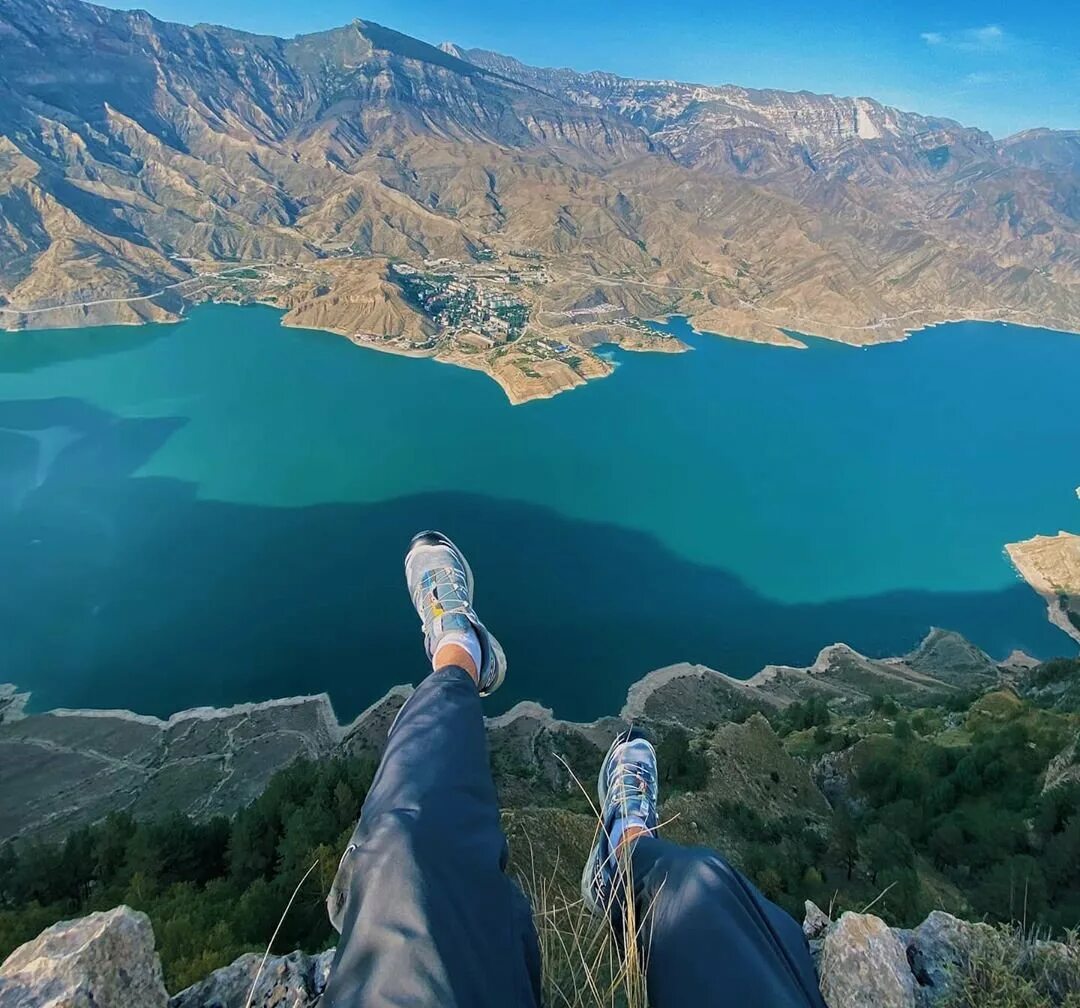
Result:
pixel 988 38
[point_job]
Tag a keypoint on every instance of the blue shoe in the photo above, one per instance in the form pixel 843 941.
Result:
pixel 628 797
pixel 441 585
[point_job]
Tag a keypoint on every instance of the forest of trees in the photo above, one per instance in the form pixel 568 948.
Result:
pixel 212 889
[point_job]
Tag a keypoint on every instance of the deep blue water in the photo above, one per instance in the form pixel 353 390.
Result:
pixel 216 511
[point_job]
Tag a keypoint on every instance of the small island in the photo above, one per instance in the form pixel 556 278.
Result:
pixel 1051 565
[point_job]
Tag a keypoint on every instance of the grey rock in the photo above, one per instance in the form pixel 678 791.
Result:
pixel 12 703
pixel 816 924
pixel 833 774
pixel 296 980
pixel 864 965
pixel 531 751
pixel 65 769
pixel 105 960
pixel 939 950
pixel 366 736
pixel 1057 966
pixel 1064 769
pixel 693 696
pixel 815 921
pixel 945 655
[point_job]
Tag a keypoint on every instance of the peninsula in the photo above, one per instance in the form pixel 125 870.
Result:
pixel 1051 565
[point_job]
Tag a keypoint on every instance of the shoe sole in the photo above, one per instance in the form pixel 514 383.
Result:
pixel 430 537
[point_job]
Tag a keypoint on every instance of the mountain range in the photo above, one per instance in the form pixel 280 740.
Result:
pixel 142 162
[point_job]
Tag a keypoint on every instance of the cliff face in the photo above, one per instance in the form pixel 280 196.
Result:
pixel 65 769
pixel 745 131
pixel 851 158
pixel 137 156
pixel 791 773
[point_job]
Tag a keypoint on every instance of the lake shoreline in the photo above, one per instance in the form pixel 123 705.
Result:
pixel 521 388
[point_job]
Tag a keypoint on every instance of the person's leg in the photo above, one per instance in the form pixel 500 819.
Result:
pixel 706 935
pixel 426 913
pixel 710 938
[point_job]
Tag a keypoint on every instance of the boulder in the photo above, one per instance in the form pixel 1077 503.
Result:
pixel 105 960
pixel 864 965
pixel 939 951
pixel 295 980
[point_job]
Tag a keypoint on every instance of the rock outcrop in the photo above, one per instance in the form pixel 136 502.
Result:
pixel 864 965
pixel 940 951
pixel 106 960
pixel 12 703
pixel 295 980
pixel 748 766
pixel 695 695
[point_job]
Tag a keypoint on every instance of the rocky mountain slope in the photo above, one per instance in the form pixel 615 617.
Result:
pixel 853 754
pixel 141 162
pixel 64 769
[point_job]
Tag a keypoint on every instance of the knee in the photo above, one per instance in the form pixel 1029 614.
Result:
pixel 389 850
pixel 399 834
pixel 691 873
pixel 426 840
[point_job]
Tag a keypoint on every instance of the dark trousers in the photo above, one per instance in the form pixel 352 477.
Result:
pixel 429 919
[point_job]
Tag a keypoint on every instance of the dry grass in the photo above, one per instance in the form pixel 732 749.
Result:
pixel 587 960
pixel 585 963
pixel 1014 968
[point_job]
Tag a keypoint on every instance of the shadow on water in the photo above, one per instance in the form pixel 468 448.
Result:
pixel 121 591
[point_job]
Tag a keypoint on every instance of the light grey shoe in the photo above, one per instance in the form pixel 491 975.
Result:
pixel 441 585
pixel 628 793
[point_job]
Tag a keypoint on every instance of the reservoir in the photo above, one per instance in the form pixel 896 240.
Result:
pixel 216 511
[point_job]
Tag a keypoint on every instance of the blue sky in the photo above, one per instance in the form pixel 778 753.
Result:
pixel 1001 66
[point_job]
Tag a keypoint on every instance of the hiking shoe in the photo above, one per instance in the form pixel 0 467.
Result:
pixel 441 585
pixel 628 797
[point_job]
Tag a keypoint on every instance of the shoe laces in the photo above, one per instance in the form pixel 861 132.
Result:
pixel 631 787
pixel 443 591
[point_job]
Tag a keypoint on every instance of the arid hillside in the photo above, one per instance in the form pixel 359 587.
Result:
pixel 140 161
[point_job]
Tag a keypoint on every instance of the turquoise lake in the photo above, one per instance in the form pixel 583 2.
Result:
pixel 216 511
